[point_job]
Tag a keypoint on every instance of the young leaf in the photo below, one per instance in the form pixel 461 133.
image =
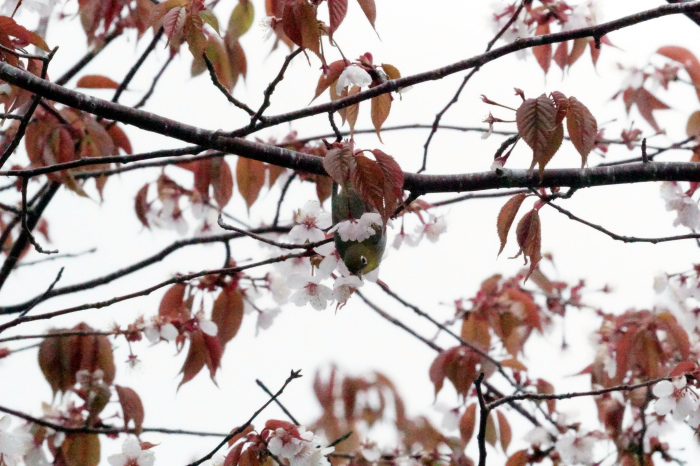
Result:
pixel 543 53
pixel 529 238
pixel 583 128
pixel 561 54
pixel 196 357
pixel 171 305
pixel 369 9
pixel 519 458
pixel 11 28
pixel 132 407
pixel 536 120
pixel 687 59
pixel 352 111
pixel 466 423
pixel 240 21
pixel 368 179
pixel 142 206
pixel 337 9
pixel 274 172
pixel 211 19
pixel 577 50
pixel 227 314
pixel 381 106
pixel 250 176
pixel 80 450
pixel 646 104
pixel 221 181
pixel 94 81
pixel 329 77
pixel 391 71
pixel 339 163
pixel 506 433
pixel 562 105
pixel 506 217
pixel 491 435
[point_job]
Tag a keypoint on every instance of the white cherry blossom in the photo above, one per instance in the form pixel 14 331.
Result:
pixel 310 221
pixel 132 455
pixel 310 290
pixel 12 445
pixel 432 230
pixel 302 450
pixel 265 319
pixel 207 326
pixel 359 230
pixel 674 396
pixel 158 329
pixel 278 287
pixel 686 208
pixel 353 74
pixel 576 448
pixel 344 287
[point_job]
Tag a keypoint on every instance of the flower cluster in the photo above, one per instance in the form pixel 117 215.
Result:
pixel 299 446
pixel 132 454
pixel 686 208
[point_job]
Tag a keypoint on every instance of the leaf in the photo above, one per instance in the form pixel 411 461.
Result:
pixel 543 53
pixel 10 27
pixel 562 105
pixel 536 120
pixel 172 303
pixel 577 50
pixel 687 59
pixel 250 177
pixel 339 163
pixel 583 128
pixel 506 433
pixel 337 9
pixel 514 364
pixel 132 407
pixel 506 217
pixel 393 183
pixel 55 362
pixel 391 71
pixel 490 435
pixel 142 206
pixel 95 81
pixel 352 111
pixel 81 450
pixel 458 365
pixel 467 422
pixel 381 106
pixel 227 314
pixel 274 172
pixel 119 138
pixel 211 19
pixel 221 181
pixel 368 179
pixel 529 238
pixel 692 128
pixel 331 75
pixel 370 10
pixel 646 104
pixel 561 54
pixel 519 458
pixel 301 26
pixel 240 21
pixel 196 357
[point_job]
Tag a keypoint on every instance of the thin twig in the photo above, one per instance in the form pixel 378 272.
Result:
pixel 25 227
pixel 132 71
pixel 224 91
pixel 483 420
pixel 156 78
pixel 466 79
pixel 53 258
pixel 40 298
pixel 292 376
pixel 55 335
pixel 271 88
pixel 338 134
pixel 278 402
pixel 262 239
pixel 282 195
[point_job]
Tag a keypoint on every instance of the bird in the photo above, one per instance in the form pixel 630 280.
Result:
pixel 360 257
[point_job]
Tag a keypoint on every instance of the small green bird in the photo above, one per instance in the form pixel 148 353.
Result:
pixel 360 257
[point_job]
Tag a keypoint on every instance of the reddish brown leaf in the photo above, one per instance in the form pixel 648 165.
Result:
pixel 458 365
pixel 381 106
pixel 227 314
pixel 577 50
pixel 352 111
pixel 214 351
pixel 393 182
pixel 519 458
pixel 337 9
pixel 506 433
pixel 529 238
pixel 687 59
pixel 391 71
pixel 55 362
pixel 490 434
pixel 250 177
pixel 692 128
pixel 301 26
pixel 329 77
pixel 536 121
pixel 369 9
pixel 81 450
pixel 545 388
pixel 234 455
pixel 221 181
pixel 368 179
pixel 202 177
pixel 95 81
pixel 324 188
pixel 646 104
pixel 543 53
pixel 466 423
pixel 339 163
pixel 196 357
pixel 682 368
pixel 274 172
pixel 11 28
pixel 131 407
pixel 506 217
pixel 172 303
pixel 562 105
pixel 119 138
pixel 561 54
pixel 514 364
pixel 142 206
pixel 583 128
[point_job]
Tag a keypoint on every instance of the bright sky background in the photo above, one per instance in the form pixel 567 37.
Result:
pixel 415 36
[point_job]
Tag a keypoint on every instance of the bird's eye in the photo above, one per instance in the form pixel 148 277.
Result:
pixel 363 259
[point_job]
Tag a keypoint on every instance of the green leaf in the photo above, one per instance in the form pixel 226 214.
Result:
pixel 211 19
pixel 241 20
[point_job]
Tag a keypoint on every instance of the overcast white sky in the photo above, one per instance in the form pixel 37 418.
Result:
pixel 415 36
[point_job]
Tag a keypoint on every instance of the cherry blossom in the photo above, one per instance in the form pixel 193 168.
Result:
pixel 358 230
pixel 210 220
pixel 499 17
pixel 685 207
pixel 310 221
pixel 538 437
pixel 12 446
pixel 278 287
pixel 132 455
pixel 344 287
pixel 265 319
pixel 268 25
pixel 403 238
pixel 309 290
pixel 576 448
pixel 353 74
pixel 157 330
pixel 207 326
pixel 301 448
pixel 660 283
pixel 674 396
pixel 433 229
pixel 169 217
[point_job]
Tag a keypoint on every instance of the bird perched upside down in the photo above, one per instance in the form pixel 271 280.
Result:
pixel 359 234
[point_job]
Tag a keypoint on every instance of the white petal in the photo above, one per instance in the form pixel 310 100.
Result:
pixel 318 302
pixel 683 408
pixel 146 458
pixel 118 460
pixel 208 327
pixel 323 220
pixel 151 334
pixel 131 448
pixel 679 382
pixel 662 389
pixel 300 297
pixel 297 281
pixel 663 406
pixel 169 332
